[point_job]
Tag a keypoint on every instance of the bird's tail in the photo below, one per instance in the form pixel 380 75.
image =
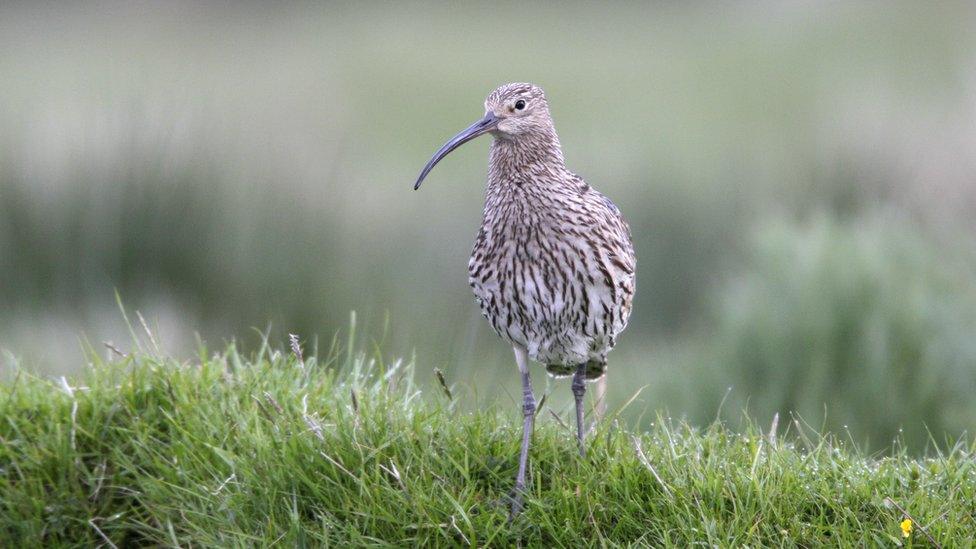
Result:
pixel 594 370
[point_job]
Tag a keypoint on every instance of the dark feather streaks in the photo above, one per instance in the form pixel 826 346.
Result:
pixel 553 266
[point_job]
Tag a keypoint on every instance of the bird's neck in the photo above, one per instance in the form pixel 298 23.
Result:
pixel 535 159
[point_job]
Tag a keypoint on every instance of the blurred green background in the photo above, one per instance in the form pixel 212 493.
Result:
pixel 800 179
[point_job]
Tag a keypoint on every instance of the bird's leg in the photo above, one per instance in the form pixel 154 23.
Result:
pixel 528 415
pixel 579 389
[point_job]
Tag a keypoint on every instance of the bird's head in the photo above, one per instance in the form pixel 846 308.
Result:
pixel 512 112
pixel 520 109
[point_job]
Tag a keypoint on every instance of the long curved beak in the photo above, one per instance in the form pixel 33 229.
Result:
pixel 481 127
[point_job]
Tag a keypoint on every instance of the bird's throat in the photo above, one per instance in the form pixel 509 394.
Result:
pixel 525 160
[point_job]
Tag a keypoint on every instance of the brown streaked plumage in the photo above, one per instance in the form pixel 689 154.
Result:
pixel 553 266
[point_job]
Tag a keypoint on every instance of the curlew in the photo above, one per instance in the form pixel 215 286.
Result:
pixel 553 264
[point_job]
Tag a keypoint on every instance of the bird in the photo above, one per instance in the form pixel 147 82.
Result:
pixel 553 267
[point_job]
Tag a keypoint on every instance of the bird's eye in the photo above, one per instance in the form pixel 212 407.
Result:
pixel 520 104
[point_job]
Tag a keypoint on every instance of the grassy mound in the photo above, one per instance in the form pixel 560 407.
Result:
pixel 346 450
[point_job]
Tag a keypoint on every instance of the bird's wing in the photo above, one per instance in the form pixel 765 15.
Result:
pixel 618 225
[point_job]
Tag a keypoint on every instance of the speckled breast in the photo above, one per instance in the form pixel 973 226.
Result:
pixel 540 287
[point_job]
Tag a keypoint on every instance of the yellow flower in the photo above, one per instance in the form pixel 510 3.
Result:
pixel 906 528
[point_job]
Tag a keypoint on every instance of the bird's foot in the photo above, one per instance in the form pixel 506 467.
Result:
pixel 516 503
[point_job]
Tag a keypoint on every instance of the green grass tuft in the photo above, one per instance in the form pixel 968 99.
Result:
pixel 346 450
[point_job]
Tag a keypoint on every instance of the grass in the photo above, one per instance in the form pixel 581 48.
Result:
pixel 344 449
